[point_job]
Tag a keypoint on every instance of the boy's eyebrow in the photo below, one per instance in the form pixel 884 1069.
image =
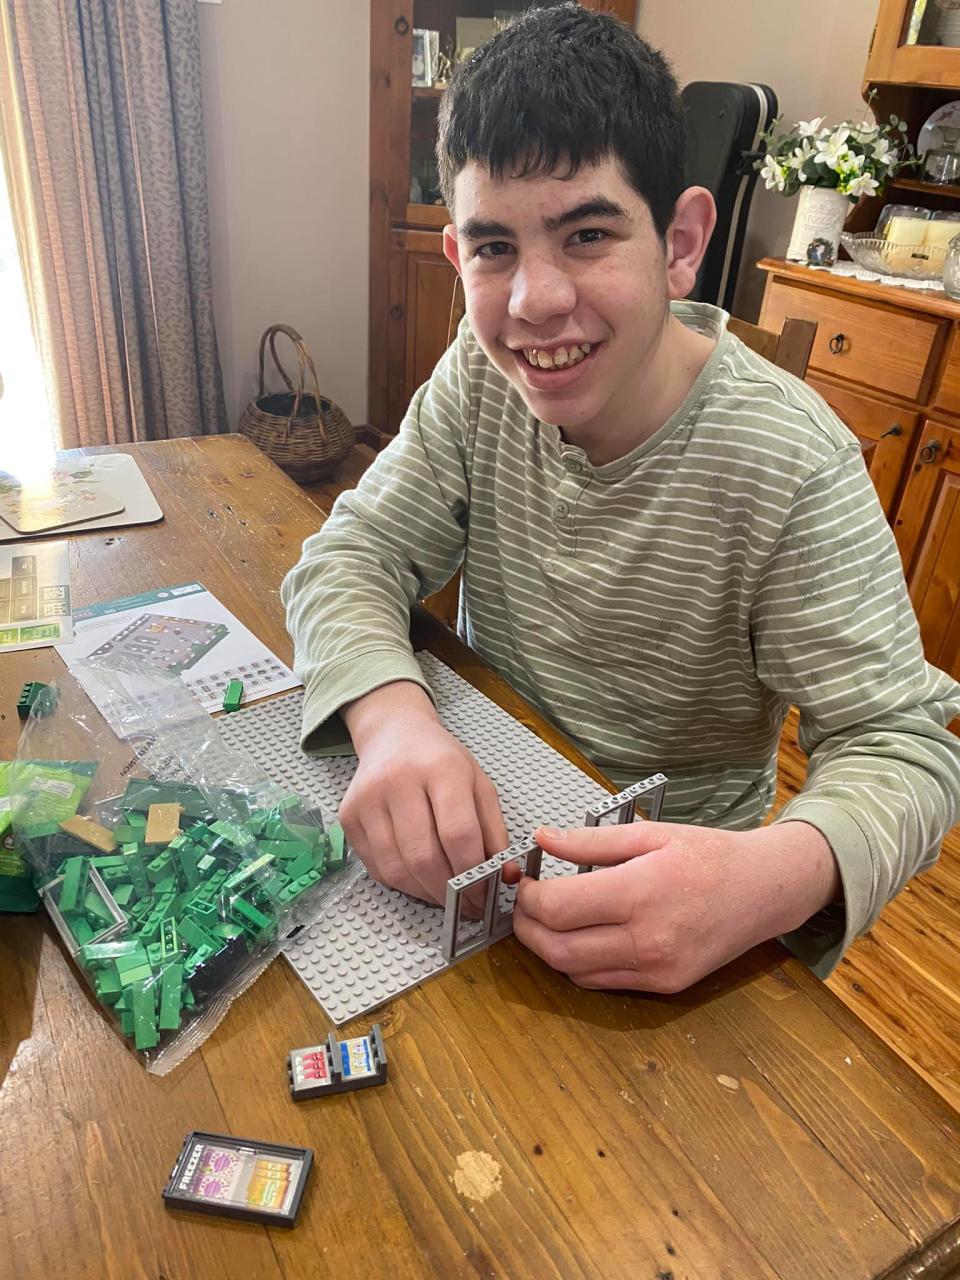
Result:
pixel 597 207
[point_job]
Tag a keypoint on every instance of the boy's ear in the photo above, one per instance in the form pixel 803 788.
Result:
pixel 687 238
pixel 451 248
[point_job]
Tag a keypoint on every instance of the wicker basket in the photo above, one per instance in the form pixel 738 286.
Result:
pixel 307 435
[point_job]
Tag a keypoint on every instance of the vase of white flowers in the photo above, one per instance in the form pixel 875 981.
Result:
pixel 830 168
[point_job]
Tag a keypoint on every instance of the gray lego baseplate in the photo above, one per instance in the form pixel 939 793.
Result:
pixel 376 942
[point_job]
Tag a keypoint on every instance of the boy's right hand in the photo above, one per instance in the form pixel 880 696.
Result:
pixel 419 809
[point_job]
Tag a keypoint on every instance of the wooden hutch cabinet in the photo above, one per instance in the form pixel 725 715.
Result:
pixel 887 358
pixel 413 300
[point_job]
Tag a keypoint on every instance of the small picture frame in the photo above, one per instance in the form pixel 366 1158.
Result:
pixel 421 68
pixel 239 1178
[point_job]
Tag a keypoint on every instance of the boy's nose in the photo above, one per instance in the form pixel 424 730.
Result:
pixel 539 292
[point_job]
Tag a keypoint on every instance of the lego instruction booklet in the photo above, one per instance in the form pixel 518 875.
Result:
pixel 34 596
pixel 184 631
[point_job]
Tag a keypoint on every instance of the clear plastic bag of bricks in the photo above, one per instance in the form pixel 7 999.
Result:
pixel 172 867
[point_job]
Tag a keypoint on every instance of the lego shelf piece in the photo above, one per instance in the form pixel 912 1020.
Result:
pixel 338 1066
pixel 496 918
pixel 624 805
pixel 378 942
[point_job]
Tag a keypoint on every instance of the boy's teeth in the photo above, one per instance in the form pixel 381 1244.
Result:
pixel 558 359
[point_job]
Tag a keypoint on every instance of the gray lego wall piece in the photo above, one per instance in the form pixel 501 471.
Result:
pixel 377 942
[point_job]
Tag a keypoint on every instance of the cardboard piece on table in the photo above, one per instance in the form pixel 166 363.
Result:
pixel 119 474
pixel 64 495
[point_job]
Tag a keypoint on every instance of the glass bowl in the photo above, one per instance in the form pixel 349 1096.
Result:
pixel 910 261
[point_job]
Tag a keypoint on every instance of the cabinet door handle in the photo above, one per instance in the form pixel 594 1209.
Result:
pixel 929 451
pixel 895 430
pixel 836 343
pixel 401 26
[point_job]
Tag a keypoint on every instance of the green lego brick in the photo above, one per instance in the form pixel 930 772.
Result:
pixel 140 974
pixel 227 931
pixel 273 887
pixel 74 884
pixel 107 986
pixel 233 695
pixel 171 994
pixel 249 914
pixel 96 909
pixel 146 1035
pixel 158 867
pixel 337 855
pixel 169 939
pixel 122 893
pixel 189 999
pixel 300 866
pixel 126 833
pixel 126 1022
pixel 38 696
pixel 188 860
pixel 193 933
pixel 249 872
pixel 283 849
pixel 111 952
pixel 296 887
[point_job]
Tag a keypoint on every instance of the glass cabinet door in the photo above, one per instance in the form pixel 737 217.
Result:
pixel 916 42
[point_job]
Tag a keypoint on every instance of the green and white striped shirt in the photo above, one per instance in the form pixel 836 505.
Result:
pixel 663 610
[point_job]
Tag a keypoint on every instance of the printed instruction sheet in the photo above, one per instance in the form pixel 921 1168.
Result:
pixel 182 631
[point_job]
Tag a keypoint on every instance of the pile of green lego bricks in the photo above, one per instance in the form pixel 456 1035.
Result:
pixel 160 928
pixel 61 786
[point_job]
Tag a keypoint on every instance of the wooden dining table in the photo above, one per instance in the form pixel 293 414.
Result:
pixel 750 1127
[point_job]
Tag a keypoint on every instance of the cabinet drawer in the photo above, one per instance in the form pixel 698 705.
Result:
pixel 886 433
pixel 878 346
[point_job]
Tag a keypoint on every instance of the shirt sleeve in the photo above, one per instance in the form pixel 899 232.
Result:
pixel 397 537
pixel 834 633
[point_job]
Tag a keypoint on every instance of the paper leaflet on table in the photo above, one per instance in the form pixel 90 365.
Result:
pixel 182 630
pixel 34 596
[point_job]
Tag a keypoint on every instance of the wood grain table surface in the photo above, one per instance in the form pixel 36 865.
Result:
pixel 751 1127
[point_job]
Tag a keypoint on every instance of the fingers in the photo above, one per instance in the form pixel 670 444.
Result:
pixel 597 949
pixel 492 826
pixel 576 902
pixel 374 843
pixel 418 841
pixel 605 845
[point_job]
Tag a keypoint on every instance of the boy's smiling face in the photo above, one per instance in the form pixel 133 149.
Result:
pixel 568 287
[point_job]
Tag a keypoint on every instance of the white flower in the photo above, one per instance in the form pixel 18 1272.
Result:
pixel 801 155
pixel 860 185
pixel 808 128
pixel 866 132
pixel 833 150
pixel 773 174
pixel 884 154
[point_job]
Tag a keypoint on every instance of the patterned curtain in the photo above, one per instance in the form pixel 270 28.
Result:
pixel 102 132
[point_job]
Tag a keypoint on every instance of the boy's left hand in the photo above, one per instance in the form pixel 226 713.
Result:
pixel 668 903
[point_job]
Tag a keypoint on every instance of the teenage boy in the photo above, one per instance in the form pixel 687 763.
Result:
pixel 665 542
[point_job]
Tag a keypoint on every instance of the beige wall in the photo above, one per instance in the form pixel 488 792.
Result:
pixel 286 104
pixel 811 52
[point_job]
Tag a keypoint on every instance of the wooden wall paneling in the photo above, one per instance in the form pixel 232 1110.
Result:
pixel 391 26
pixel 430 280
pixel 887 433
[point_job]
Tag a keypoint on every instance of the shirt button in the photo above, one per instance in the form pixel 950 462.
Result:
pixel 561 510
pixel 573 465
pixel 549 566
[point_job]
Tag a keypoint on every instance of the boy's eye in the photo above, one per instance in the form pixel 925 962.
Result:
pixel 589 235
pixel 495 249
